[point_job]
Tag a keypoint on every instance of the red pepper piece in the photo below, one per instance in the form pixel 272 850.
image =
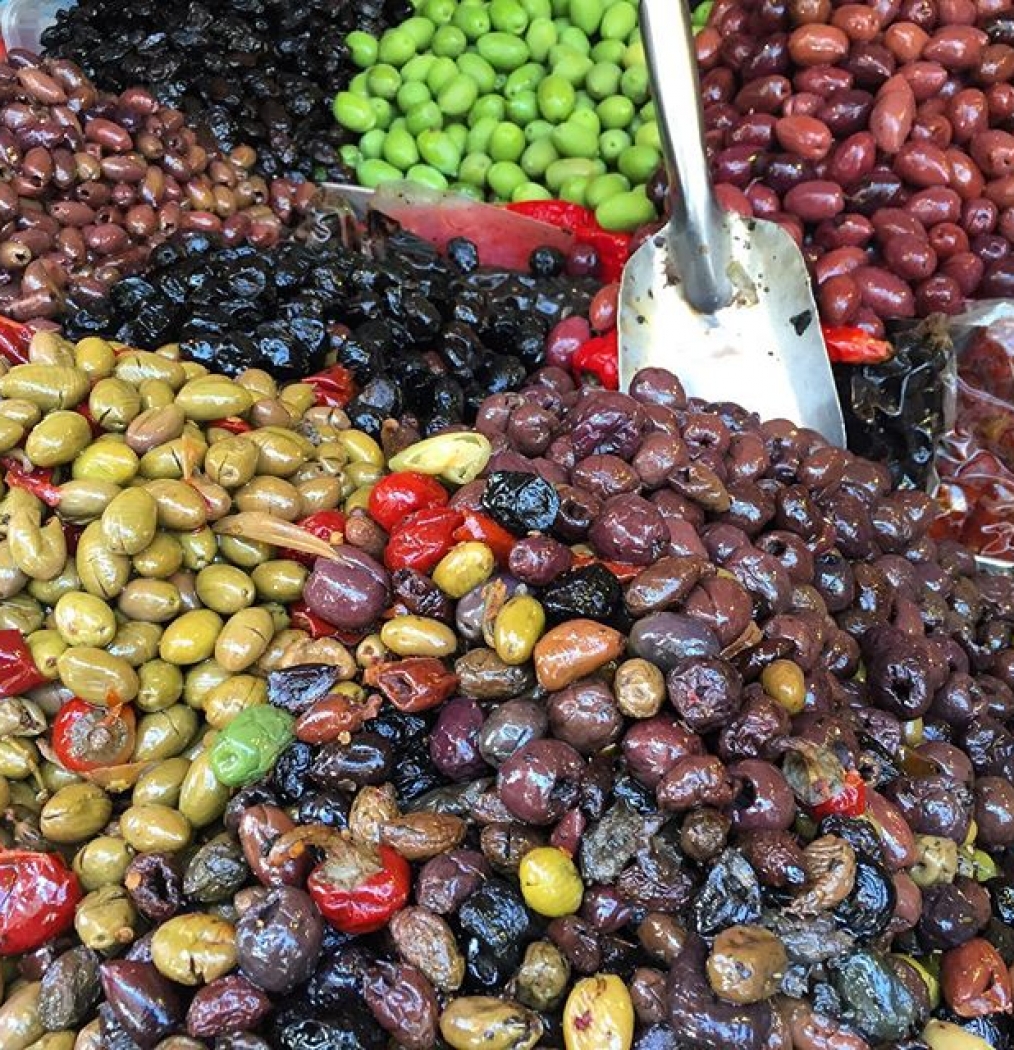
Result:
pixel 327 719
pixel 416 683
pixel 38 895
pixel 38 482
pixel 423 539
pixel 484 529
pixel 849 801
pixel 623 571
pixel 18 673
pixel 854 346
pixel 84 410
pixel 327 525
pixel 87 737
pixel 358 888
pixel 333 387
pixel 599 357
pixel 562 214
pixel 396 496
pixel 233 424
pixel 14 338
pixel 303 619
pixel 72 535
pixel 613 250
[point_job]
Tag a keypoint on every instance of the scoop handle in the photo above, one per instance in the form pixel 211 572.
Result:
pixel 699 238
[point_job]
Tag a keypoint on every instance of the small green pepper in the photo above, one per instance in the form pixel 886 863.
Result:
pixel 249 745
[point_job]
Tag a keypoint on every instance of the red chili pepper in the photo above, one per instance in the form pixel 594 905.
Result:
pixel 86 737
pixel 233 424
pixel 853 346
pixel 303 619
pixel 358 889
pixel 398 495
pixel 613 250
pixel 38 482
pixel 562 214
pixel 38 895
pixel 325 525
pixel 14 338
pixel 599 357
pixel 850 801
pixel 333 387
pixel 484 529
pixel 623 571
pixel 423 539
pixel 18 672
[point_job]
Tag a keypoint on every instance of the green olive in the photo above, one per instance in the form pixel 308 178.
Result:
pixel 418 636
pixel 12 434
pixel 20 1025
pixel 22 613
pixel 179 507
pixel 160 559
pixel 231 463
pixel 95 356
pixel 75 813
pixel 225 589
pixel 108 461
pixel 194 949
pixel 161 685
pixel 202 797
pixel 19 757
pixel 5 793
pixel 46 647
pixel 165 734
pixel 64 1040
pixel 57 439
pixel 137 643
pixel 102 862
pixel 106 920
pixel 200 548
pixel 464 568
pixel 245 553
pixel 191 638
pixel 160 785
pixel 279 580
pixel 96 676
pixel 113 404
pixel 153 601
pixel 85 500
pixel 213 397
pixel 268 495
pixel 281 452
pixel 173 460
pixel 25 413
pixel 316 494
pixel 49 592
pixel 130 522
pixel 154 829
pixel 136 366
pixel 157 393
pixel 83 619
pixel 103 572
pixel 12 579
pixel 200 680
pixel 238 692
pixel 51 388
pixel 244 638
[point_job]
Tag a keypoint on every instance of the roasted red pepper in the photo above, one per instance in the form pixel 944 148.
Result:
pixel 333 387
pixel 613 250
pixel 396 496
pixel 14 338
pixel 623 571
pixel 87 737
pixel 327 525
pixel 562 214
pixel 414 684
pixel 423 539
pixel 484 529
pixel 18 672
pixel 302 619
pixel 38 481
pixel 848 801
pixel 233 424
pixel 327 719
pixel 853 346
pixel 599 357
pixel 38 895
pixel 358 888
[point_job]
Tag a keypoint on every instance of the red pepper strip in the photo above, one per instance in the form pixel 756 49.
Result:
pixel 14 338
pixel 18 672
pixel 397 495
pixel 38 896
pixel 850 801
pixel 303 619
pixel 423 539
pixel 484 529
pixel 84 410
pixel 325 525
pixel 334 387
pixel 72 535
pixel 853 346
pixel 599 357
pixel 563 214
pixel 623 571
pixel 613 250
pixel 233 424
pixel 38 482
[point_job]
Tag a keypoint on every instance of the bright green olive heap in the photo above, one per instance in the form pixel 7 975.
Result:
pixel 509 99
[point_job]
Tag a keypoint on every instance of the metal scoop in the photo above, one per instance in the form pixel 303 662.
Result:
pixel 722 301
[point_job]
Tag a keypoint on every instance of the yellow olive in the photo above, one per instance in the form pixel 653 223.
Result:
pixel 463 568
pixel 95 356
pixel 244 638
pixel 194 949
pixel 517 628
pixel 83 619
pixel 102 862
pixel 130 522
pixel 160 559
pixel 153 828
pixel 75 813
pixel 57 439
pixel 213 397
pixel 95 676
pixel 227 699
pixel 113 404
pixel 108 461
pixel 191 638
pixel 418 636
pixel 137 366
pixel 225 589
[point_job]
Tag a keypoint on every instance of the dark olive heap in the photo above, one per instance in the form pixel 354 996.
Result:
pixel 423 334
pixel 261 72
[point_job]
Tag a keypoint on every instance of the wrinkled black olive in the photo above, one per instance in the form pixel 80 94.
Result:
pixel 730 895
pixel 296 689
pixel 867 910
pixel 874 1000
pixel 591 592
pixel 497 925
pixel 519 502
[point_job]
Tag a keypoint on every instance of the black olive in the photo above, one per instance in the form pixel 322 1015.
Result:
pixel 730 895
pixel 590 592
pixel 520 502
pixel 302 1028
pixel 330 808
pixel 289 777
pixel 497 925
pixel 546 262
pixel 867 910
pixel 296 689
pixel 859 834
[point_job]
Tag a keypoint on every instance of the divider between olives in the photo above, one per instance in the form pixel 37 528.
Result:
pixel 622 720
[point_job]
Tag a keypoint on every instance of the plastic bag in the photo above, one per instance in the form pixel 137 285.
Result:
pixel 896 412
pixel 975 458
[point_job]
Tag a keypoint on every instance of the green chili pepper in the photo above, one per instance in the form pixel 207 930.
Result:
pixel 250 744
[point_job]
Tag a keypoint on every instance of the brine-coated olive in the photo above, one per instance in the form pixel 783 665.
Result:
pixel 194 949
pixel 154 828
pixel 75 813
